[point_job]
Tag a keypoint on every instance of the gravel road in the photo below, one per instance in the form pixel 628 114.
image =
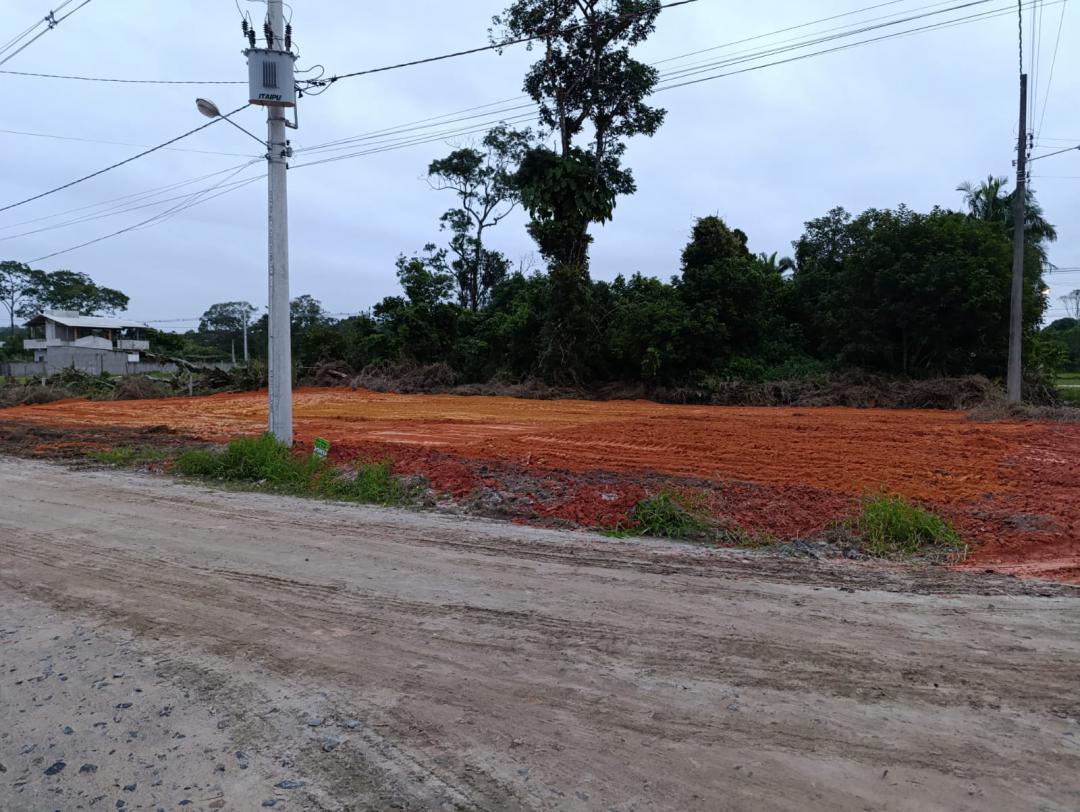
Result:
pixel 165 646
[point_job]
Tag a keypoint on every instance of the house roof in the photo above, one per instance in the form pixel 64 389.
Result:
pixel 75 320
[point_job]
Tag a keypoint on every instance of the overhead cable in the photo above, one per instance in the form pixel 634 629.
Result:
pixel 123 81
pixel 496 46
pixel 144 153
pixel 1053 64
pixel 51 20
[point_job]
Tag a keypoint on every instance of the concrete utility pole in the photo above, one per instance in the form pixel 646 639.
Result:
pixel 245 336
pixel 1016 307
pixel 280 338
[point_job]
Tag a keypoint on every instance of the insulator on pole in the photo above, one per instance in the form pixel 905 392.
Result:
pixel 288 36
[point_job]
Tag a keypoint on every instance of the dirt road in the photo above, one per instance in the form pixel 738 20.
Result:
pixel 237 650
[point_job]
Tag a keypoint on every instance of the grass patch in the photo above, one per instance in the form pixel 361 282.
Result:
pixel 372 482
pixel 265 463
pixel 253 461
pixel 124 456
pixel 672 514
pixel 889 526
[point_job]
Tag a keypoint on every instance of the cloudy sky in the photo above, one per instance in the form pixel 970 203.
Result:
pixel 898 121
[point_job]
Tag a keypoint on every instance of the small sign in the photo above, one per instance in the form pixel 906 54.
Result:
pixel 322 448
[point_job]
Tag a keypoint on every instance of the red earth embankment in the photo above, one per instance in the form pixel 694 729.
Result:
pixel 1011 487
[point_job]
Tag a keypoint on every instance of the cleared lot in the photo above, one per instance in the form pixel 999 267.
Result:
pixel 1010 487
pixel 478 665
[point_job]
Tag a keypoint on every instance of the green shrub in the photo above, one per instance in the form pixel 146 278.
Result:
pixel 672 514
pixel 254 460
pixel 889 526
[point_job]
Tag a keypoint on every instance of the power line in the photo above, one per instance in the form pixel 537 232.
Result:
pixel 496 46
pixel 894 35
pixel 1053 64
pixel 122 81
pixel 119 143
pixel 47 19
pixel 123 209
pixel 51 20
pixel 202 196
pixel 754 55
pixel 210 123
pixel 706 66
pixel 122 200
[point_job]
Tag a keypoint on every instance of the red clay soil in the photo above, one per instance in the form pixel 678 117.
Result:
pixel 1010 487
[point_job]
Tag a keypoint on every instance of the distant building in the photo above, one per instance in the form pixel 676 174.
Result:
pixel 94 344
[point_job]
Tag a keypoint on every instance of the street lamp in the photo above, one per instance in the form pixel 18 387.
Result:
pixel 279 388
pixel 207 108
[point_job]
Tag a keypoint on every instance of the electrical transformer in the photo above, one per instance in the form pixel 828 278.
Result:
pixel 270 77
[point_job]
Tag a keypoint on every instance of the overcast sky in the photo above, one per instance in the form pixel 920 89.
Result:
pixel 901 121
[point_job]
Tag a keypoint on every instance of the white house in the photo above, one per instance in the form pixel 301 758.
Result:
pixel 62 338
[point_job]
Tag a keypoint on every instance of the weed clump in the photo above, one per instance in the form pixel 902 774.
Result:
pixel 372 482
pixel 266 463
pixel 889 526
pixel 672 514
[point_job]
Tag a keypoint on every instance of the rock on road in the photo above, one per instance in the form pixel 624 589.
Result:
pixel 247 651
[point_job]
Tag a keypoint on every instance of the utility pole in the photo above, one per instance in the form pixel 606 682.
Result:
pixel 1016 307
pixel 271 85
pixel 280 338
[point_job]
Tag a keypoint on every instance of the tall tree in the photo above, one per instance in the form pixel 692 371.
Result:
pixel 229 321
pixel 481 177
pixel 591 93
pixel 586 86
pixel 18 289
pixel 227 317
pixel 68 290
pixel 305 312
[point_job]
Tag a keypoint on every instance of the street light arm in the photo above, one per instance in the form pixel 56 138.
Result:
pixel 1050 154
pixel 241 129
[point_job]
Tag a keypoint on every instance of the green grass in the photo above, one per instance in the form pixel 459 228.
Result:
pixel 889 526
pixel 672 514
pixel 266 464
pixel 1068 386
pixel 254 461
pixel 128 456
pixel 372 482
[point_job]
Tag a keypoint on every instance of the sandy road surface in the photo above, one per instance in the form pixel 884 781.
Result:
pixel 454 663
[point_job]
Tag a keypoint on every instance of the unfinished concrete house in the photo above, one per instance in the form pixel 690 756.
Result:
pixel 63 339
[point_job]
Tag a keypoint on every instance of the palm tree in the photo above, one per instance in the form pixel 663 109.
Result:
pixel 771 263
pixel 989 201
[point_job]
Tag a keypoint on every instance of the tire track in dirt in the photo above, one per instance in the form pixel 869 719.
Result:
pixel 502 674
